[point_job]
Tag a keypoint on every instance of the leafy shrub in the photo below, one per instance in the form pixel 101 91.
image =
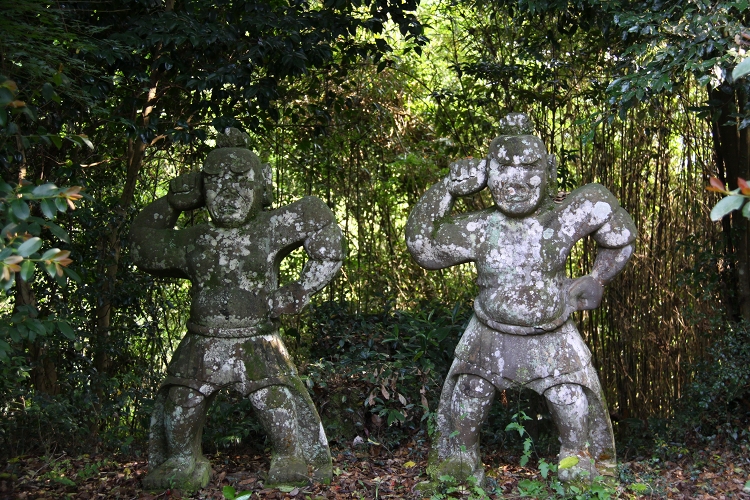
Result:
pixel 717 403
pixel 379 374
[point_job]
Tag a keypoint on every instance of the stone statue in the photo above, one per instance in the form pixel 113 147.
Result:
pixel 232 339
pixel 521 334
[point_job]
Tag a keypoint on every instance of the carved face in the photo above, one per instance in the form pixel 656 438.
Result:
pixel 518 174
pixel 518 189
pixel 232 198
pixel 233 186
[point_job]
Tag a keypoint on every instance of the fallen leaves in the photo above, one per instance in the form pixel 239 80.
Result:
pixel 705 474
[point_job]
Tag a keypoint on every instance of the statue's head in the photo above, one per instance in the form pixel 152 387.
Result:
pixel 520 170
pixel 236 184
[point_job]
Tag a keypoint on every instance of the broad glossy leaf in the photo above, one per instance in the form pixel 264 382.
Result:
pixel 59 232
pixel 50 253
pixel 742 69
pixel 49 209
pixel 48 91
pixel 45 190
pixel 725 206
pixel 27 270
pixel 66 330
pixel 20 209
pixel 51 269
pixel 29 246
pixel 72 274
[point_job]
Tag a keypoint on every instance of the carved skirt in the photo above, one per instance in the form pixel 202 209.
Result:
pixel 506 360
pixel 248 364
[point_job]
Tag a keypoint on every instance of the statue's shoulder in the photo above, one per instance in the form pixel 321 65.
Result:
pixel 306 204
pixel 593 192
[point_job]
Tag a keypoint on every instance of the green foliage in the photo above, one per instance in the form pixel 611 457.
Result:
pixel 389 367
pixel 717 403
pixel 448 487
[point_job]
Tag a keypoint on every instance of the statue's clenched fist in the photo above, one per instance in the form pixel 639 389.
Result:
pixel 186 191
pixel 467 176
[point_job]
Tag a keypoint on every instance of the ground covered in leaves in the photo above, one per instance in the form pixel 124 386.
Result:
pixel 369 472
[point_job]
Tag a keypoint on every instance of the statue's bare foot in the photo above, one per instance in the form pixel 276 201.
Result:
pixel 288 470
pixel 322 473
pixel 576 466
pixel 180 474
pixel 460 466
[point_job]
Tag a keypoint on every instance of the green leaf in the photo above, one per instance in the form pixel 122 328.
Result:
pixel 66 330
pixel 568 462
pixel 48 208
pixel 59 232
pixel 48 91
pixel 51 269
pixel 56 140
pixel 61 204
pixel 746 211
pixel 543 468
pixel 72 274
pixel 29 246
pixel 45 190
pixel 27 270
pixel 6 97
pixel 725 206
pixel 50 253
pixel 37 327
pixel 742 69
pixel 20 209
pixel 394 416
pixel 229 492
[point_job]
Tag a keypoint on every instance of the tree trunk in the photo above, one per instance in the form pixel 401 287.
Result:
pixel 731 151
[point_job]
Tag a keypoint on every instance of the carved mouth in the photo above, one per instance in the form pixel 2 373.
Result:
pixel 516 194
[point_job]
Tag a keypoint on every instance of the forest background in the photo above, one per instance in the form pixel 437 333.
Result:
pixel 364 103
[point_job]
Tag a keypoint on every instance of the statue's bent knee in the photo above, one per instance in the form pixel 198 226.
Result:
pixel 565 394
pixel 475 387
pixel 185 397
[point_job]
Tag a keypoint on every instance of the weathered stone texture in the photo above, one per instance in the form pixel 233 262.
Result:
pixel 521 333
pixel 232 339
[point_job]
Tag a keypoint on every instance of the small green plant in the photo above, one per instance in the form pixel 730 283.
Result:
pixel 449 486
pixel 231 494
pixel 550 486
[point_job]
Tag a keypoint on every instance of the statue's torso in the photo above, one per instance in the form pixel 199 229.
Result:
pixel 233 272
pixel 520 269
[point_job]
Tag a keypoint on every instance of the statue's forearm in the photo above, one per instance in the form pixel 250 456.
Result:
pixel 422 224
pixel 434 205
pixel 317 274
pixel 610 261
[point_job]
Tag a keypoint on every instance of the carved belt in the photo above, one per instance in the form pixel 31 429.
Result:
pixel 261 328
pixel 517 329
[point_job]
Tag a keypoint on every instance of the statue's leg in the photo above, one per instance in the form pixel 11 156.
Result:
pixel 158 451
pixel 464 413
pixel 569 407
pixel 185 467
pixel 277 412
pixel 312 437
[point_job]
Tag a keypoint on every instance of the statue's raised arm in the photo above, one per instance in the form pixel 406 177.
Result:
pixel 434 238
pixel 156 247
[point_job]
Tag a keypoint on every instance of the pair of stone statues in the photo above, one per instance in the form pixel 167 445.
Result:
pixel 520 335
